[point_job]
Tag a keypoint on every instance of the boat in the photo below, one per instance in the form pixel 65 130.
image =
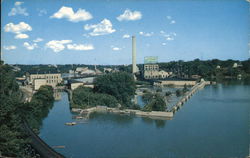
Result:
pixel 70 123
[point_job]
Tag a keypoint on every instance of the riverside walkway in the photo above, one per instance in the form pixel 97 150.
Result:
pixel 39 145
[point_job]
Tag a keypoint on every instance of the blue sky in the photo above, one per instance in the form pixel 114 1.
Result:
pixel 99 31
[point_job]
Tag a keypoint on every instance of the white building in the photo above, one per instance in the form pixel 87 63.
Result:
pixel 37 80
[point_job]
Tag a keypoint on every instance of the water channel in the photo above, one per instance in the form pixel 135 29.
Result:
pixel 213 123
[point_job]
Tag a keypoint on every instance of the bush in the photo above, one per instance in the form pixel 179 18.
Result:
pixel 121 85
pixel 85 97
pixel 168 93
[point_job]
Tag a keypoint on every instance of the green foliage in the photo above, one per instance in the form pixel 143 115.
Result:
pixel 121 85
pixel 38 108
pixel 178 92
pixel 12 139
pixel 85 97
pixel 168 93
pixel 154 102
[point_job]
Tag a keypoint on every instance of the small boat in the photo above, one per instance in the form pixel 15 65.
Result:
pixel 70 123
pixel 59 147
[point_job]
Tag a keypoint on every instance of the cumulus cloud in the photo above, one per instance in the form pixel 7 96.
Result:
pixel 129 15
pixel 126 36
pixel 80 46
pixel 30 46
pixel 11 47
pixel 146 34
pixel 21 36
pixel 42 12
pixel 115 48
pixel 56 45
pixel 18 10
pixel 171 20
pixel 18 28
pixel 102 28
pixel 38 40
pixel 68 13
pixel 168 36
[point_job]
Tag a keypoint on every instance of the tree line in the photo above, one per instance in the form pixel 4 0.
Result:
pixel 13 141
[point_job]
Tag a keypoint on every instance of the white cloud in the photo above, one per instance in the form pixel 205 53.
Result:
pixel 103 28
pixel 248 0
pixel 168 36
pixel 80 47
pixel 57 46
pixel 129 15
pixel 162 32
pixel 42 12
pixel 68 13
pixel 126 36
pixel 85 35
pixel 18 28
pixel 30 46
pixel 172 22
pixel 38 40
pixel 21 36
pixel 164 44
pixel 116 48
pixel 11 47
pixel 18 10
pixel 146 34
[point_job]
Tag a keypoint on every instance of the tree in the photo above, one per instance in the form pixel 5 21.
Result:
pixel 121 85
pixel 154 102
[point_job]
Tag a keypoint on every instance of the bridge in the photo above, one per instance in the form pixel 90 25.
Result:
pixel 39 145
pixel 188 95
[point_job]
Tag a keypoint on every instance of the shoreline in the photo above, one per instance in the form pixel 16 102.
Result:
pixel 153 114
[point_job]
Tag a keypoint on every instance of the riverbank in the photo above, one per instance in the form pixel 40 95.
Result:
pixel 152 114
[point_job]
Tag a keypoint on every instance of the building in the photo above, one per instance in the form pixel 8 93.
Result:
pixel 151 71
pixel 75 85
pixel 37 80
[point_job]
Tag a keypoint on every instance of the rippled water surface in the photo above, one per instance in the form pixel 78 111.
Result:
pixel 213 123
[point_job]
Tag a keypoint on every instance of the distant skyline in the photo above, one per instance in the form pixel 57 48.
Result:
pixel 100 31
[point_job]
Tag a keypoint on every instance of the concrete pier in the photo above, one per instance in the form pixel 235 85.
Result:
pixel 188 95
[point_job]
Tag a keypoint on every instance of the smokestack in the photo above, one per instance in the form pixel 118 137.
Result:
pixel 133 54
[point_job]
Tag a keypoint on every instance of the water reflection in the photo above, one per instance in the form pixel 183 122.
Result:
pixel 158 123
pixel 57 95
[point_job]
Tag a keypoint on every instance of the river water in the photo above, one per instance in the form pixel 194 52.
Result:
pixel 214 123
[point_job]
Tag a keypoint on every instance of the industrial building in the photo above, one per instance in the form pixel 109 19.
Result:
pixel 37 80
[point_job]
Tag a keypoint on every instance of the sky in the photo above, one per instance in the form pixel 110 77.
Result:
pixel 100 31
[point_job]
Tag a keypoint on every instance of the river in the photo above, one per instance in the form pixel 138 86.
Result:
pixel 213 123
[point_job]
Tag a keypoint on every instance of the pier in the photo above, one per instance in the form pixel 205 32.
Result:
pixel 189 94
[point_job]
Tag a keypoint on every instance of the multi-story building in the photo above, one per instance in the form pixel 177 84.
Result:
pixel 38 80
pixel 151 71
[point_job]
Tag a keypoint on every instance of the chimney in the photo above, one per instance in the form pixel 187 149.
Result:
pixel 133 54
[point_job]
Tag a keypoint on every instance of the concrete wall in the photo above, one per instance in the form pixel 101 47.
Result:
pixel 75 85
pixel 37 83
pixel 178 83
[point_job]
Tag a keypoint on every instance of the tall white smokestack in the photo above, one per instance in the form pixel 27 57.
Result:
pixel 133 54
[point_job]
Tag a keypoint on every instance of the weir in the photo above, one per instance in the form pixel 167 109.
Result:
pixel 188 95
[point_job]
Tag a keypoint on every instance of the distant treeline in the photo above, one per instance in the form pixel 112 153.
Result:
pixel 204 68
pixel 13 141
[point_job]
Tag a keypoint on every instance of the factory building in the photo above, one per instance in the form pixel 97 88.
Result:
pixel 37 80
